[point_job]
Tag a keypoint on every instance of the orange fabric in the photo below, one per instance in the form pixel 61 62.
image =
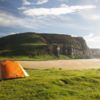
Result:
pixel 10 69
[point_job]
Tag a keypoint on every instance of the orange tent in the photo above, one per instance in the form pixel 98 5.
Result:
pixel 11 69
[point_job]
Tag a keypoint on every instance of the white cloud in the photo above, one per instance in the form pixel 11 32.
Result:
pixel 6 20
pixel 5 34
pixel 95 17
pixel 39 2
pixel 12 33
pixel 93 40
pixel 34 23
pixel 90 16
pixel 64 0
pixel 26 2
pixel 22 8
pixel 65 9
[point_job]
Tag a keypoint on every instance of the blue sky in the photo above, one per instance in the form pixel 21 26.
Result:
pixel 74 17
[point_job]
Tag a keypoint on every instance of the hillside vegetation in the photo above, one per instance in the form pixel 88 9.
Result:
pixel 36 44
pixel 53 85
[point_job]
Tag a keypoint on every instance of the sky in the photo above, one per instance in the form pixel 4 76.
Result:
pixel 73 17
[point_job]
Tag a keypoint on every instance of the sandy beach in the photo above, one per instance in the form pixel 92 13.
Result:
pixel 63 64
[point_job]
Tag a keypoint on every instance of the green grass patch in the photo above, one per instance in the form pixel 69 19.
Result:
pixel 38 58
pixel 34 44
pixel 52 84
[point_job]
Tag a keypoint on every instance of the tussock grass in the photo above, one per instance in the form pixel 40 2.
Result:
pixel 53 84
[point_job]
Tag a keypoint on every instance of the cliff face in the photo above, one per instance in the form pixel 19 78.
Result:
pixel 95 53
pixel 32 44
pixel 72 46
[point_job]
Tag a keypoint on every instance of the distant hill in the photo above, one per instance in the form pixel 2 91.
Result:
pixel 32 44
pixel 95 53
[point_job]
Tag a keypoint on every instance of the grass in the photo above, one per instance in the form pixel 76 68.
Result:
pixel 34 44
pixel 53 84
pixel 38 58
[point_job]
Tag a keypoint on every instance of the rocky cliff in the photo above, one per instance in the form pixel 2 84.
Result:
pixel 31 44
pixel 95 53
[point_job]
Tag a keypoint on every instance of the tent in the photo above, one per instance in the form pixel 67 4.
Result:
pixel 11 69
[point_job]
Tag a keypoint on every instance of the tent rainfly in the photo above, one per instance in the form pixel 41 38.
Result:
pixel 11 69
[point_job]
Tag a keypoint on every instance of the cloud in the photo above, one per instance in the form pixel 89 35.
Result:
pixel 39 2
pixel 93 40
pixel 95 17
pixel 12 33
pixel 7 19
pixel 34 23
pixel 5 34
pixel 22 8
pixel 26 2
pixel 63 0
pixel 90 15
pixel 62 10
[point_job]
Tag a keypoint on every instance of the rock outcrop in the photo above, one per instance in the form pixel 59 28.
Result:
pixel 95 53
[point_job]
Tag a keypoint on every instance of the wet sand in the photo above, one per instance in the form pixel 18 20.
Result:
pixel 63 64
